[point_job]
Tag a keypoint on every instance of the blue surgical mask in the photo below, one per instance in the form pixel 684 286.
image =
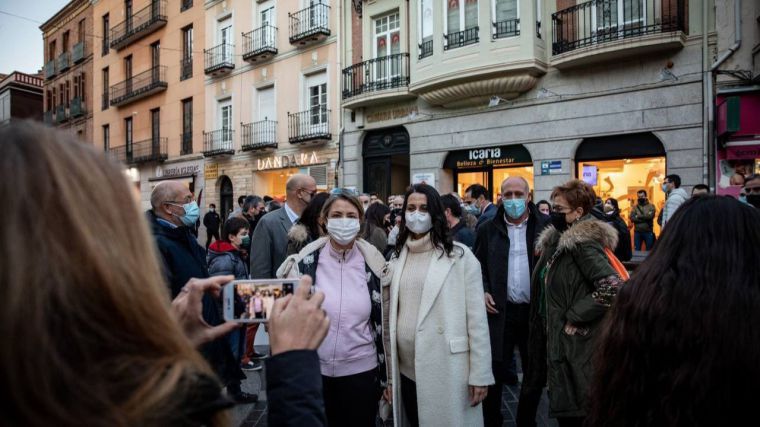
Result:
pixel 664 188
pixel 515 208
pixel 246 240
pixel 472 210
pixel 192 213
pixel 743 199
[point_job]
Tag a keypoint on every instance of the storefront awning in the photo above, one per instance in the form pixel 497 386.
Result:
pixel 620 147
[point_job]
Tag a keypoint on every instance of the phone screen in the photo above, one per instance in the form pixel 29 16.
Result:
pixel 251 301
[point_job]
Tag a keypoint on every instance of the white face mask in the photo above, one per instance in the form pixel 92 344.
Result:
pixel 418 222
pixel 343 230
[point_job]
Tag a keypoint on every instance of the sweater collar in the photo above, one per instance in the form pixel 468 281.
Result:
pixel 420 245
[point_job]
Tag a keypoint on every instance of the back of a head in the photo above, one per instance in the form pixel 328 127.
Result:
pixel 375 214
pixel 477 190
pixel 681 343
pixel 675 179
pixel 450 202
pixel 83 300
pixel 311 214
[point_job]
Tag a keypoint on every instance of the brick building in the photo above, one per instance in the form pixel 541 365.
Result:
pixel 20 97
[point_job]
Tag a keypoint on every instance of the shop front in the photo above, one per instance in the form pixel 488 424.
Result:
pixel 619 166
pixel 738 149
pixel 272 172
pixel 489 167
pixel 189 174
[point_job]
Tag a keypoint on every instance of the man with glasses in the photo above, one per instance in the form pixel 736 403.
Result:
pixel 752 190
pixel 269 245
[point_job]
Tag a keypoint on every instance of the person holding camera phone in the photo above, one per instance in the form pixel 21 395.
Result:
pixel 440 353
pixel 349 271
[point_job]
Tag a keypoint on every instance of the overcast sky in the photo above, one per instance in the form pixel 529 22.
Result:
pixel 20 39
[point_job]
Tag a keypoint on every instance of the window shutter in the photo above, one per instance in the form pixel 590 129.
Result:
pixel 319 173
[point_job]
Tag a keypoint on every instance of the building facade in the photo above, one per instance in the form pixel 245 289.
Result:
pixel 149 82
pixel 20 97
pixel 69 47
pixel 456 92
pixel 272 104
pixel 737 103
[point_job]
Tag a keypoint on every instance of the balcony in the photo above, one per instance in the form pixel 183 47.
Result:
pixel 603 30
pixel 64 62
pixel 117 154
pixel 149 150
pixel 50 69
pixel 219 60
pixel 140 86
pixel 61 115
pixel 47 117
pixel 461 38
pixel 426 49
pixel 77 52
pixel 260 44
pixel 218 142
pixel 185 68
pixel 376 81
pixel 77 107
pixel 139 25
pixel 507 28
pixel 310 126
pixel 187 144
pixel 260 135
pixel 310 25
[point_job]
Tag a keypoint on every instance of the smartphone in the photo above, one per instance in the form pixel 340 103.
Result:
pixel 251 301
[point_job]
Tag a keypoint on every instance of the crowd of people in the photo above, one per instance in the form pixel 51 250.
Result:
pixel 419 304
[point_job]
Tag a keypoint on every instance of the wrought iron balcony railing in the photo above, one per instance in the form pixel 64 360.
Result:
pixel 61 113
pixel 218 142
pixel 312 125
pixel 139 86
pixel 310 24
pixel 426 49
pixel 139 24
pixel 50 69
pixel 64 61
pixel 187 144
pixel 149 150
pixel 118 154
pixel 461 38
pixel 219 59
pixel 387 72
pixel 185 68
pixel 77 52
pixel 508 28
pixel 259 135
pixel 77 108
pixel 260 43
pixel 601 21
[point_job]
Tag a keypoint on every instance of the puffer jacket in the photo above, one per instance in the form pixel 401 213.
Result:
pixel 676 198
pixel 574 283
pixel 223 258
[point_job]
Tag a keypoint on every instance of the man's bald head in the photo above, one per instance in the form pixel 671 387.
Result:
pixel 169 192
pixel 300 189
pixel 514 180
pixel 297 182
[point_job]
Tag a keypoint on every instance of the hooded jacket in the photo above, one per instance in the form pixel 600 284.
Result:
pixel 676 198
pixel 223 258
pixel 573 283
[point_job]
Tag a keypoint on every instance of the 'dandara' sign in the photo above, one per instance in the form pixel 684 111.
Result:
pixel 291 161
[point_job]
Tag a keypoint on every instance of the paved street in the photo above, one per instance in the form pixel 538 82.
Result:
pixel 255 415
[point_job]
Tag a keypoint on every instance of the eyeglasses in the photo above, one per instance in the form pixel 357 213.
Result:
pixel 310 193
pixel 560 209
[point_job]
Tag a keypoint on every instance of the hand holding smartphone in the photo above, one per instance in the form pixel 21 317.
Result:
pixel 251 301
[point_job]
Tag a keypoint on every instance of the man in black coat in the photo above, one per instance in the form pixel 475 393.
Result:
pixel 211 221
pixel 173 213
pixel 505 248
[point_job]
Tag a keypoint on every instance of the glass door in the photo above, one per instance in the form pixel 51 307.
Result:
pixel 155 130
pixel 387 43
pixel 318 106
pixel 267 27
pixel 225 119
pixel 128 137
pixel 225 39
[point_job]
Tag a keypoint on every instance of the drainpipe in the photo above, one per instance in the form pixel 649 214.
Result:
pixel 341 52
pixel 709 74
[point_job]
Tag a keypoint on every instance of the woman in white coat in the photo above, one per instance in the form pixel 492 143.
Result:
pixel 440 358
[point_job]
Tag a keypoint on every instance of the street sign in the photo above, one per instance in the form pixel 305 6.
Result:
pixel 551 167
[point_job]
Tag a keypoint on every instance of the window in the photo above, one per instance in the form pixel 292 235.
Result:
pixel 426 28
pixel 82 85
pixel 105 89
pixel 225 40
pixel 106 137
pixel 65 46
pixel 51 50
pixel 80 31
pixel 186 4
pixel 266 104
pixel 5 107
pixel 128 74
pixel 267 19
pixel 187 126
pixel 461 23
pixel 68 92
pixel 186 63
pixel 128 135
pixel 76 86
pixel 612 16
pixel 155 124
pixel 506 22
pixel 225 120
pixel 61 94
pixel 155 55
pixel 318 103
pixel 106 31
pixel 387 42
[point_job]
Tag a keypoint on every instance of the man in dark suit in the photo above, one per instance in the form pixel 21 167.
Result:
pixel 480 197
pixel 504 246
pixel 269 244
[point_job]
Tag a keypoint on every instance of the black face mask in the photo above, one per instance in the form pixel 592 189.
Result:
pixel 558 221
pixel 642 201
pixel 386 224
pixel 754 200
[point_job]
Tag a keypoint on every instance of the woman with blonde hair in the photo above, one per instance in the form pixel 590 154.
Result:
pixel 90 338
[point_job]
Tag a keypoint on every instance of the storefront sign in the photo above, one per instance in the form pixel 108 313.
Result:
pixel 484 157
pixel 552 167
pixel 211 171
pixel 292 161
pixel 590 174
pixel 392 114
pixel 740 152
pixel 424 178
pixel 177 171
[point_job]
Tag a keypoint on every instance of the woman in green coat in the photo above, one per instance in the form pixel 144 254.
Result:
pixel 573 285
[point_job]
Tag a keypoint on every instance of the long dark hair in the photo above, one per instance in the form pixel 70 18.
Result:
pixel 375 218
pixel 311 214
pixel 681 345
pixel 439 234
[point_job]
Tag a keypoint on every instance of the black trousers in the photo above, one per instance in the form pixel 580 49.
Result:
pixel 209 235
pixel 515 335
pixel 409 400
pixel 352 400
pixel 571 421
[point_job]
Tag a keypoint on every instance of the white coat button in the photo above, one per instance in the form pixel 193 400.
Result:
pixel 440 330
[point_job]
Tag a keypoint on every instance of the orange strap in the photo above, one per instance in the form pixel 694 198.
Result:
pixel 617 265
